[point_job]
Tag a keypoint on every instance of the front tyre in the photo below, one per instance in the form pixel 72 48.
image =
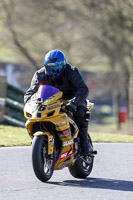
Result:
pixel 43 165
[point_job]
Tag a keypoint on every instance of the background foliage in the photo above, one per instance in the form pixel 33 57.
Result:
pixel 95 35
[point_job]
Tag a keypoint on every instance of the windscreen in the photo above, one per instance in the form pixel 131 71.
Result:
pixel 46 91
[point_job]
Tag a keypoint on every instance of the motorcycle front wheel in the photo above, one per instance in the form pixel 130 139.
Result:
pixel 43 165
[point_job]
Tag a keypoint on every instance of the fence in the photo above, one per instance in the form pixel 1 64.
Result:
pixel 12 109
pixel 14 106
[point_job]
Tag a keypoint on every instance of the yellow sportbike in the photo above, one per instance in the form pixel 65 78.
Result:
pixel 55 141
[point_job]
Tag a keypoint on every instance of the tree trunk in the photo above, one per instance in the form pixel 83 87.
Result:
pixel 115 97
pixel 131 102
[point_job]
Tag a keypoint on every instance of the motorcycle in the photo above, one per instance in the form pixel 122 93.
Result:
pixel 54 134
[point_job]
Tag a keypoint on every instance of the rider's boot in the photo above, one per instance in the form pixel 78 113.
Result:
pixel 86 145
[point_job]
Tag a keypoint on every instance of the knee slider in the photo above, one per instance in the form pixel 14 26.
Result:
pixel 87 115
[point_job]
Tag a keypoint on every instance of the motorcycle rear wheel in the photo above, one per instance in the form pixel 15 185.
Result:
pixel 43 165
pixel 81 169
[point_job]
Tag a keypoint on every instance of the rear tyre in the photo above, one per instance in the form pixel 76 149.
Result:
pixel 83 166
pixel 81 169
pixel 43 165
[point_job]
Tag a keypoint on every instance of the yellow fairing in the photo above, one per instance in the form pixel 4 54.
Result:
pixel 49 111
pixel 90 105
pixel 52 104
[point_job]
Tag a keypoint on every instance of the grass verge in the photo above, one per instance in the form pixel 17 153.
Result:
pixel 108 137
pixel 15 136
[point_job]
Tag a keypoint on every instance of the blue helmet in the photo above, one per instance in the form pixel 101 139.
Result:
pixel 55 63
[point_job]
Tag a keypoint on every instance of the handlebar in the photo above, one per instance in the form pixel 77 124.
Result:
pixel 64 109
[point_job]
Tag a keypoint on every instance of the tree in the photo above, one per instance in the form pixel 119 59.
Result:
pixel 48 25
pixel 114 40
pixel 88 31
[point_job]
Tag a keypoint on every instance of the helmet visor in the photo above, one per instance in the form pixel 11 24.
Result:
pixel 52 69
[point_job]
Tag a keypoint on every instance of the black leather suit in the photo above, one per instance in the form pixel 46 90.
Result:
pixel 70 83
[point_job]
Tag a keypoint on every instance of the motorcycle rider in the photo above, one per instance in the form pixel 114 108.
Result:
pixel 58 73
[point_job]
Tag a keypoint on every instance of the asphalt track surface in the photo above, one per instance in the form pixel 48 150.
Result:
pixel 111 178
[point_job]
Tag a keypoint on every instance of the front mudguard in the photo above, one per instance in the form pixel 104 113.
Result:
pixel 50 140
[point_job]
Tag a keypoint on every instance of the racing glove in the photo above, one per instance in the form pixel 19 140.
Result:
pixel 72 105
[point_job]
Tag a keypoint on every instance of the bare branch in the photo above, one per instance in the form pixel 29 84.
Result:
pixel 21 48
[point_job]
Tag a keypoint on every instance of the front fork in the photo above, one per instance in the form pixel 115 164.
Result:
pixel 50 140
